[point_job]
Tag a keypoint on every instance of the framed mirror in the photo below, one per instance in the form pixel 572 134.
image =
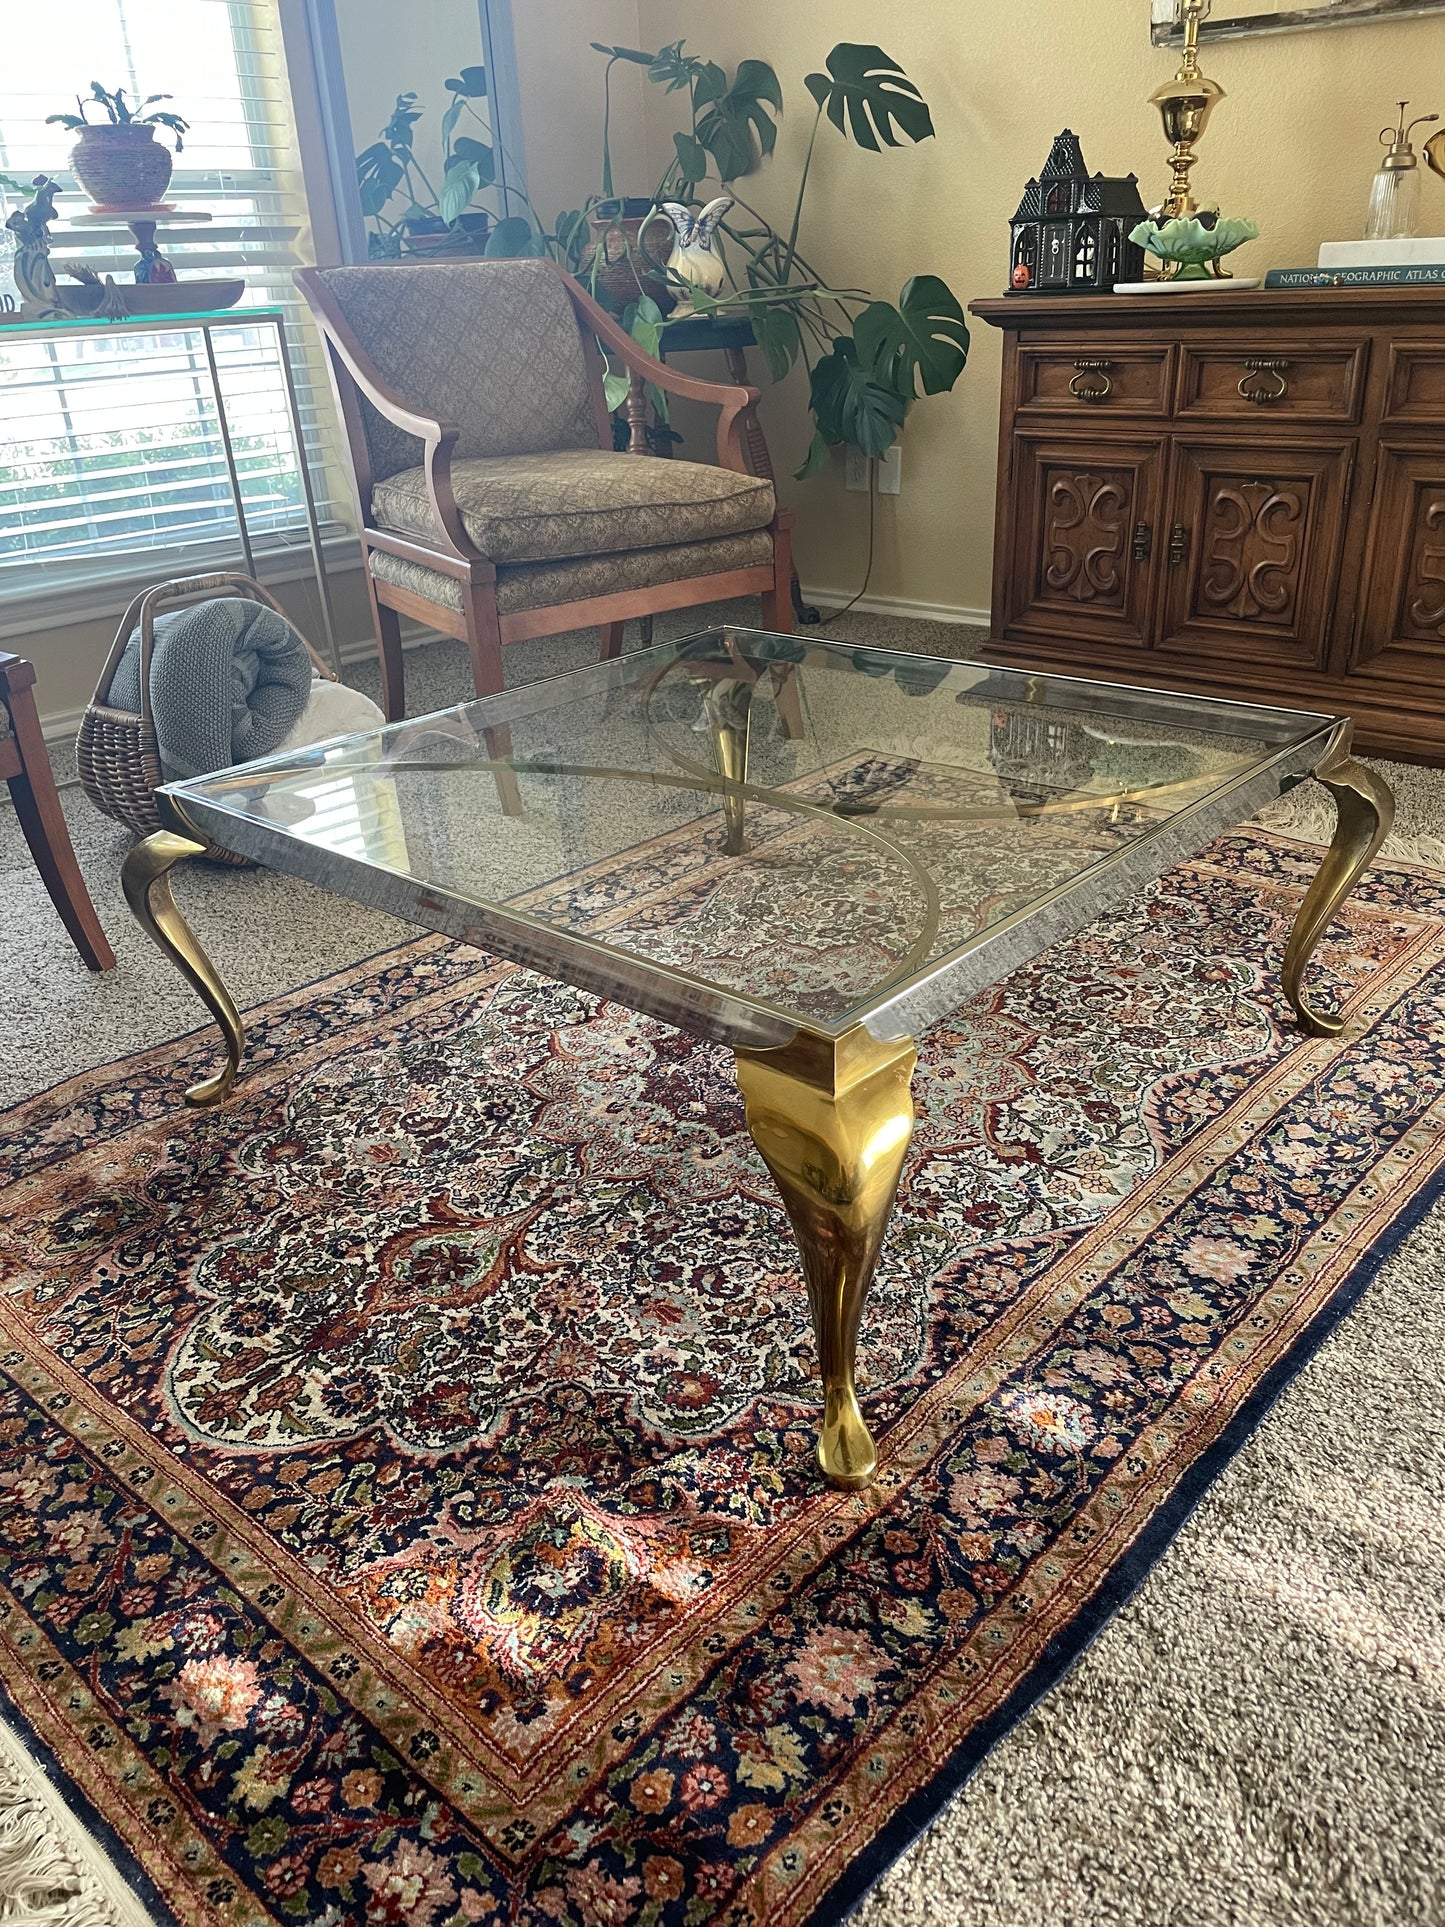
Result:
pixel 1236 19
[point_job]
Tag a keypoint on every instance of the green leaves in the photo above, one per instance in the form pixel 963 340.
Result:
pixel 513 239
pixel 470 84
pixel 778 335
pixel 866 94
pixel 850 404
pixel 634 54
pixel 923 340
pixel 378 176
pixel 460 182
pixel 735 123
pixel 692 158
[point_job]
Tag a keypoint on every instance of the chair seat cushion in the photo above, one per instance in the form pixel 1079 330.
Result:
pixel 549 585
pixel 581 501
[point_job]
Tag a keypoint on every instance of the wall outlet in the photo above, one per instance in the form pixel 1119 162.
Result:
pixel 890 471
pixel 856 469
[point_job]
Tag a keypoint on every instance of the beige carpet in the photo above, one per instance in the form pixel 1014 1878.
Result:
pixel 1258 1740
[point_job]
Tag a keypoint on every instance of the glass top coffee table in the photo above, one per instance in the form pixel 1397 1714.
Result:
pixel 805 850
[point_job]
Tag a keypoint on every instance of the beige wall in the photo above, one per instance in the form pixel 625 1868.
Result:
pixel 1293 146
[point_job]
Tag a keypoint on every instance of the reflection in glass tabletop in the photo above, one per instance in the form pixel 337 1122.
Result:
pixel 752 835
pixel 806 850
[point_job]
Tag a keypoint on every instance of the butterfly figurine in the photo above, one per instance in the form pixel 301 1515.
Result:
pixel 693 256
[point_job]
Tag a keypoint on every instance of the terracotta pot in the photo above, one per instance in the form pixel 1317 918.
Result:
pixel 123 166
pixel 621 258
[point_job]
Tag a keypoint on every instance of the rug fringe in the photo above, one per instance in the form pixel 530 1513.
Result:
pixel 52 1874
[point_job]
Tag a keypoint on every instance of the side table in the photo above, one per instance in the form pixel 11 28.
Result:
pixel 731 335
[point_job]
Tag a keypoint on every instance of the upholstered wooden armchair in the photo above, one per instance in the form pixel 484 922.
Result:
pixel 493 506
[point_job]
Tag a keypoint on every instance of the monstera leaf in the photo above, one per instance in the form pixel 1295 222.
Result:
pixel 512 239
pixel 459 184
pixel 850 404
pixel 470 83
pixel 692 158
pixel 378 176
pixel 776 332
pixel 923 340
pixel 735 123
pixel 866 94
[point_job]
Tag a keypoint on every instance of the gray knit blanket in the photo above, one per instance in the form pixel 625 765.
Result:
pixel 228 679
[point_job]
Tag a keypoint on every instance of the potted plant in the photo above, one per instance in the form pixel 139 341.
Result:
pixel 431 221
pixel 867 359
pixel 118 161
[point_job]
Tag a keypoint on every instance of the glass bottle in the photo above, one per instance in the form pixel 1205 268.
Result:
pixel 1394 211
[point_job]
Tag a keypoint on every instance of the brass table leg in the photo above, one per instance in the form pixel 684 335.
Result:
pixel 729 706
pixel 1366 809
pixel 145 879
pixel 833 1121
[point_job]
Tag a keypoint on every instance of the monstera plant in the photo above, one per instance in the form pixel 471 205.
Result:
pixel 867 359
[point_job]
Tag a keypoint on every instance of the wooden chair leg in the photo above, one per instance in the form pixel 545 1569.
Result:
pixel 387 624
pixel 785 695
pixel 611 641
pixel 778 601
pixel 484 644
pixel 42 822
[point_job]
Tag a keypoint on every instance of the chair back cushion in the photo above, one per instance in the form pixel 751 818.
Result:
pixel 493 346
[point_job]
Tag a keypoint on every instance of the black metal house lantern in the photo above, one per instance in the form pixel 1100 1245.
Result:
pixel 1071 232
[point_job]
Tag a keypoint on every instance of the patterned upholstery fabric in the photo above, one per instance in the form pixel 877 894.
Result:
pixel 542 585
pixel 533 508
pixel 5 730
pixel 490 345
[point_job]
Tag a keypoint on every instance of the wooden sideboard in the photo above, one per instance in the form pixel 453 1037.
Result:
pixel 1239 494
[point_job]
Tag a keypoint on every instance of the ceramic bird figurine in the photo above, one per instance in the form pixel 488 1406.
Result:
pixel 693 256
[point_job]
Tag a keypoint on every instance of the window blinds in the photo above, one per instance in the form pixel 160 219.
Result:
pixel 111 460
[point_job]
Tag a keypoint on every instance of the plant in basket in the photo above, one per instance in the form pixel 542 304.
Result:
pixel 118 160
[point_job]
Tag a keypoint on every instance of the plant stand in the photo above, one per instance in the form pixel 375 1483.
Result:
pixel 701 334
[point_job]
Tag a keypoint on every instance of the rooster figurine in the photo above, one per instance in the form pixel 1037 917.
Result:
pixel 693 256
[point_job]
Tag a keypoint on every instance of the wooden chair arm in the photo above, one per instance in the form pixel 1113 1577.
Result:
pixel 438 437
pixel 733 399
pixel 16 673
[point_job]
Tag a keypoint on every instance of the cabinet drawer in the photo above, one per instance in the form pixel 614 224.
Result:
pixel 1321 384
pixel 1415 391
pixel 1093 379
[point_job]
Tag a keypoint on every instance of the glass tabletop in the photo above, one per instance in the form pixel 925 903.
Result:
pixel 752 835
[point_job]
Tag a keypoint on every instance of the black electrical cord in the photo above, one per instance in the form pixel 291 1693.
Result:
pixel 872 521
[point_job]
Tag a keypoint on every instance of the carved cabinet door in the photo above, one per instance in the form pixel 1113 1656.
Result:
pixel 1252 549
pixel 1402 623
pixel 1084 515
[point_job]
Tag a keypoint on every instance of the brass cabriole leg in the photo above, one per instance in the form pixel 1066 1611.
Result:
pixel 833 1122
pixel 729 706
pixel 1366 809
pixel 145 878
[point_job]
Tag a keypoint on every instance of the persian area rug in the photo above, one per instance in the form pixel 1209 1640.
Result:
pixel 409 1511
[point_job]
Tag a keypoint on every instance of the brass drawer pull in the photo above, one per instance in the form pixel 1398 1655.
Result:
pixel 1082 388
pixel 1255 382
pixel 1178 545
pixel 1143 541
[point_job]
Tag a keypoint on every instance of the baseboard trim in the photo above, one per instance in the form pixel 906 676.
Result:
pixel 890 605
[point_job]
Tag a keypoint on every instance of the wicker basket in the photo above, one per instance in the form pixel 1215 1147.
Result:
pixel 116 750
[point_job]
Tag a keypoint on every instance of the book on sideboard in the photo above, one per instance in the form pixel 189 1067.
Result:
pixel 1417 275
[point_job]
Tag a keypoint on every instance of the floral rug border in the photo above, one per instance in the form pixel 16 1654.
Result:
pixel 173 1064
